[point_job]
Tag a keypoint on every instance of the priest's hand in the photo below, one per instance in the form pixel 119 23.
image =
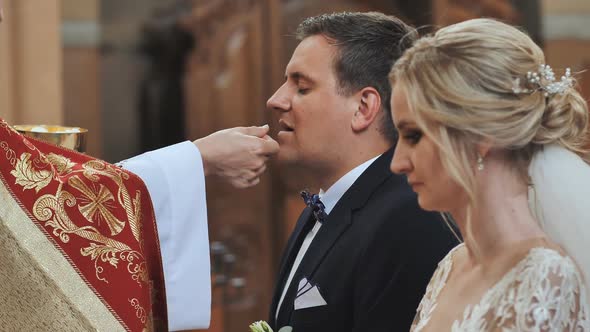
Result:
pixel 238 155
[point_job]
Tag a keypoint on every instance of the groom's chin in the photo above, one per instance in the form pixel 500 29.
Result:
pixel 287 156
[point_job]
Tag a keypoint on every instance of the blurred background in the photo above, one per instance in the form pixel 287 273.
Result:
pixel 142 74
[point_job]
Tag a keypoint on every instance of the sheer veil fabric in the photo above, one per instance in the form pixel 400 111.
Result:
pixel 560 199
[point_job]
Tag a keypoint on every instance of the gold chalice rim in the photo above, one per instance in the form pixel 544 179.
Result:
pixel 51 129
pixel 72 138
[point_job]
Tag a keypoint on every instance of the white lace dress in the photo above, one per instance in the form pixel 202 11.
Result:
pixel 542 292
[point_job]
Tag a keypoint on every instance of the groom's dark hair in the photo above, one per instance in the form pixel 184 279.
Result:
pixel 368 46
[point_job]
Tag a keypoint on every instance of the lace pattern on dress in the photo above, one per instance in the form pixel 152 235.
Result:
pixel 435 286
pixel 543 292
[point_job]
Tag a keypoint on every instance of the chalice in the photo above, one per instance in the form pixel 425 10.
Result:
pixel 73 138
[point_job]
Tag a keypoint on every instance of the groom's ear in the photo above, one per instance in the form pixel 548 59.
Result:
pixel 368 107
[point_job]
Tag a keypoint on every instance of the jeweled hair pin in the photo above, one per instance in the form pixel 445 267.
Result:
pixel 544 80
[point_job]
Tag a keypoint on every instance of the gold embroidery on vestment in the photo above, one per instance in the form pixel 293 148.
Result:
pixel 10 154
pixel 62 164
pixel 141 314
pixel 132 206
pixel 27 176
pixel 93 202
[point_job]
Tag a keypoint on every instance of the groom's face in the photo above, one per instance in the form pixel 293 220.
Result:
pixel 312 114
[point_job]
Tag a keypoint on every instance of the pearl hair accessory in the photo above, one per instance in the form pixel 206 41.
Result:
pixel 544 80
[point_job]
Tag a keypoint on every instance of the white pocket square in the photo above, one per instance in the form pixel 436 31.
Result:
pixel 308 296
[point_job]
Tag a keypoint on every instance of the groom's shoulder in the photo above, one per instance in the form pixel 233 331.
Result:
pixel 393 205
pixel 394 194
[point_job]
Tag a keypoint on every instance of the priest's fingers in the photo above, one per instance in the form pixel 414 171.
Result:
pixel 253 182
pixel 242 183
pixel 250 175
pixel 239 184
pixel 268 146
pixel 254 130
pixel 259 171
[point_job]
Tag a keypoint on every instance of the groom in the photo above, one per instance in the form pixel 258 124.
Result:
pixel 359 259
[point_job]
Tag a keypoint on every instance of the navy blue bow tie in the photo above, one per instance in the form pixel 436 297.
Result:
pixel 316 205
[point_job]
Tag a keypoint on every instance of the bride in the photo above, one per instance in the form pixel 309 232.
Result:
pixel 484 127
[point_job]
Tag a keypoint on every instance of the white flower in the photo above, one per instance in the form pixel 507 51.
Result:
pixel 260 326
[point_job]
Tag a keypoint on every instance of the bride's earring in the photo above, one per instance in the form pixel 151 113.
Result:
pixel 480 165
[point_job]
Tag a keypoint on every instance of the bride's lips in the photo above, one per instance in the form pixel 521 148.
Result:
pixel 415 184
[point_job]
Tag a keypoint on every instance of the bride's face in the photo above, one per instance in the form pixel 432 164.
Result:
pixel 418 157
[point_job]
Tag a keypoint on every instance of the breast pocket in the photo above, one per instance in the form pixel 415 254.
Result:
pixel 320 319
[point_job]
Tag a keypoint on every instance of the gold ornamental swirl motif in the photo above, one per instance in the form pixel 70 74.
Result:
pixel 138 271
pixel 61 164
pixel 141 314
pixel 94 205
pixel 139 310
pixel 10 154
pixel 51 210
pixel 27 176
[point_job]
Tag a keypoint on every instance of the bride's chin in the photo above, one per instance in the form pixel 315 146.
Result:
pixel 427 204
pixel 423 203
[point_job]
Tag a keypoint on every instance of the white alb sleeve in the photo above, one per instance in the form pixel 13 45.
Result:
pixel 175 179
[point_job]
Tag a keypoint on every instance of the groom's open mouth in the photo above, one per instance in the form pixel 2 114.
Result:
pixel 284 126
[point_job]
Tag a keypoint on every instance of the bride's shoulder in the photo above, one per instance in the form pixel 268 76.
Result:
pixel 539 257
pixel 549 288
pixel 542 263
pixel 441 274
pixel 456 254
pixel 545 269
pixel 549 259
pixel 445 266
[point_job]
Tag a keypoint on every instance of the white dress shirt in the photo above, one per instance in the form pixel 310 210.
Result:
pixel 176 182
pixel 329 198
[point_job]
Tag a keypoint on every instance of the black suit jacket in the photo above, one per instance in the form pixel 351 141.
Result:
pixel 371 259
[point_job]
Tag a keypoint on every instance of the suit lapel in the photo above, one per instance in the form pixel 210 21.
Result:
pixel 336 224
pixel 340 218
pixel 338 221
pixel 293 245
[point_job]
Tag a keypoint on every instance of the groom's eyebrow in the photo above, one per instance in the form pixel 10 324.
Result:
pixel 298 76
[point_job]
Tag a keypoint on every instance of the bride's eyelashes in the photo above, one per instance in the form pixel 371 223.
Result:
pixel 412 136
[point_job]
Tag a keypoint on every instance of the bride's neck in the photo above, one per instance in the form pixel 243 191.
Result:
pixel 501 218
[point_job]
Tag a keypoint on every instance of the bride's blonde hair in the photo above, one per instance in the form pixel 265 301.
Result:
pixel 459 85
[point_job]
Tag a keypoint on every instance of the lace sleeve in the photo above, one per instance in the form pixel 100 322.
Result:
pixel 549 295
